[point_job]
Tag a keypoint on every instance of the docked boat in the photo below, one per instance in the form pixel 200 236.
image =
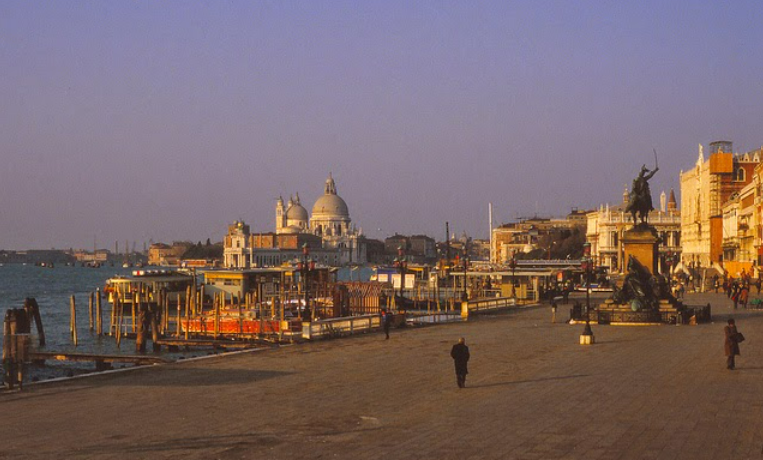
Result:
pixel 152 282
pixel 230 322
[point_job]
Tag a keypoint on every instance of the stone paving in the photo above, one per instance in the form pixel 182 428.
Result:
pixel 659 392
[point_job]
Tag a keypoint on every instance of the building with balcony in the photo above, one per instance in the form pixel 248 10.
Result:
pixel 743 228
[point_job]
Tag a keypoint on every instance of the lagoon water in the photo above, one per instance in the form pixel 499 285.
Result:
pixel 52 287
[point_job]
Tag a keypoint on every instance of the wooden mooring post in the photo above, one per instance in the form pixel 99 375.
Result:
pixel 15 346
pixel 113 316
pixel 153 312
pixel 33 311
pixel 98 313
pixel 90 312
pixel 217 320
pixel 177 323
pixel 132 309
pixel 73 323
pixel 187 309
pixel 140 337
pixel 119 318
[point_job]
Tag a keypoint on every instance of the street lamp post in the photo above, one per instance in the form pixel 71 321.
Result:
pixel 586 263
pixel 550 247
pixel 306 266
pixel 464 296
pixel 668 263
pixel 402 263
pixel 513 266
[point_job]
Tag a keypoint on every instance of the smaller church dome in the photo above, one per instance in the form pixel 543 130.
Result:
pixel 296 212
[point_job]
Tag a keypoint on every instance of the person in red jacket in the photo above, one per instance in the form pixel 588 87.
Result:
pixel 731 344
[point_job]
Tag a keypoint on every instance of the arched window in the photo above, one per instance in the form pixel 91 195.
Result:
pixel 739 176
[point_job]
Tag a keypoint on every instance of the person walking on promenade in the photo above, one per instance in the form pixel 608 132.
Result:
pixel 727 287
pixel 553 311
pixel 680 291
pixel 731 344
pixel 460 355
pixel 386 320
pixel 744 295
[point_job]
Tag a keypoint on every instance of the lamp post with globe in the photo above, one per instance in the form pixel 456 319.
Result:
pixel 402 263
pixel 513 266
pixel 305 267
pixel 464 295
pixel 586 264
pixel 668 263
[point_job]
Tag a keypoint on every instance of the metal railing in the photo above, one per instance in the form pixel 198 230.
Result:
pixel 484 305
pixel 340 326
pixel 434 318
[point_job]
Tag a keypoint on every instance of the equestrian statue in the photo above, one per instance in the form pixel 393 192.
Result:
pixel 640 198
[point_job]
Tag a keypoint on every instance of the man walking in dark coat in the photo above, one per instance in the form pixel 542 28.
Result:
pixel 386 322
pixel 460 355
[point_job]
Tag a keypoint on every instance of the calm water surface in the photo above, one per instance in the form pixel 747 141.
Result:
pixel 52 287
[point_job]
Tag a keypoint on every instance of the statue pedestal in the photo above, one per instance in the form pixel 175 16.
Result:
pixel 641 243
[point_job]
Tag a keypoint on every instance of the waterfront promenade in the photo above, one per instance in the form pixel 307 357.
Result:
pixel 533 393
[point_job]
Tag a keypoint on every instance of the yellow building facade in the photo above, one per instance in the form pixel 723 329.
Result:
pixel 704 191
pixel 743 228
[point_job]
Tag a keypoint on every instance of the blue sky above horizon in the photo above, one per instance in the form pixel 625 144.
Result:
pixel 168 120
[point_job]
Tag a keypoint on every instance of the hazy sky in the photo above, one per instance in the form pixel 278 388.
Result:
pixel 169 120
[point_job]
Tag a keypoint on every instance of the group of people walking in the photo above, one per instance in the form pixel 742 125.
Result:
pixel 738 291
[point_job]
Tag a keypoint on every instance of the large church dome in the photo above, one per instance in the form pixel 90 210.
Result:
pixel 330 205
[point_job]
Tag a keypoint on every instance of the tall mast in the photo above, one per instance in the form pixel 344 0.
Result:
pixel 490 225
pixel 447 243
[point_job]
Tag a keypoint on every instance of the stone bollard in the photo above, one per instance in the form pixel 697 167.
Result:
pixel 587 338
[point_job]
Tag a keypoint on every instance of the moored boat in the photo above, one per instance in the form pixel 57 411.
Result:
pixel 152 282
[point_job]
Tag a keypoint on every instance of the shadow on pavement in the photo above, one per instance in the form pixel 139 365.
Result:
pixel 517 382
pixel 227 443
pixel 737 314
pixel 235 445
pixel 197 376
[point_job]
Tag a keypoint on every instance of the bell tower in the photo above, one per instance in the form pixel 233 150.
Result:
pixel 280 214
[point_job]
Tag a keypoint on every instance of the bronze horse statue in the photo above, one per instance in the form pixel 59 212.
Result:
pixel 640 198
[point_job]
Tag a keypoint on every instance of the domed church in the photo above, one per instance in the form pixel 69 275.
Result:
pixel 330 221
pixel 291 218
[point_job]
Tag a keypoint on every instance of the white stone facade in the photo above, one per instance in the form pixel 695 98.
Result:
pixel 606 227
pixel 330 220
